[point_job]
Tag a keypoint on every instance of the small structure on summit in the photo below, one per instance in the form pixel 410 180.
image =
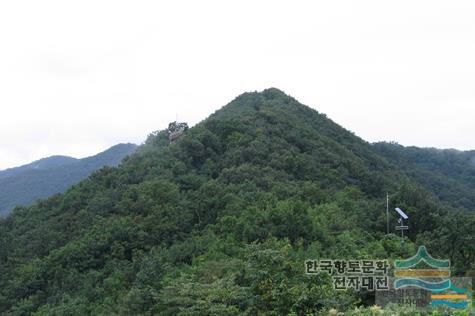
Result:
pixel 176 130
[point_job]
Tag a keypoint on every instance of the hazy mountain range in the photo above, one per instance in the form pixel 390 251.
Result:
pixel 45 177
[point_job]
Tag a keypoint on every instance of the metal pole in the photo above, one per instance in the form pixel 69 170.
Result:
pixel 387 213
pixel 402 229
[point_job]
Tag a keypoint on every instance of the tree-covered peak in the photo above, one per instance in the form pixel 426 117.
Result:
pixel 221 220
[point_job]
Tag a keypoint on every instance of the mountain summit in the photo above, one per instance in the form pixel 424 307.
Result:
pixel 221 220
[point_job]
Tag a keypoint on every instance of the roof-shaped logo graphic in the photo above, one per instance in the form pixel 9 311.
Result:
pixel 422 256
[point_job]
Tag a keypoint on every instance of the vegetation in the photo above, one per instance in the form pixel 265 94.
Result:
pixel 221 221
pixel 450 174
pixel 43 178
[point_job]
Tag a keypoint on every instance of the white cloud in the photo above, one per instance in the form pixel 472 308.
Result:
pixel 77 77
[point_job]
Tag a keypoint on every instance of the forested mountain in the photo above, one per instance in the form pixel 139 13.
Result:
pixel 45 177
pixel 221 221
pixel 449 173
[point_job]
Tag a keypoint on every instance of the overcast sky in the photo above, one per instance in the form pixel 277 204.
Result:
pixel 79 76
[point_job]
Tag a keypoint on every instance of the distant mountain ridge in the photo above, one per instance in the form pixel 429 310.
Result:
pixel 41 164
pixel 45 177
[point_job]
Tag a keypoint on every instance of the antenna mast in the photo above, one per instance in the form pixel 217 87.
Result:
pixel 401 226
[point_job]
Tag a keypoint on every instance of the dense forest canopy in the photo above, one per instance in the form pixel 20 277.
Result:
pixel 450 174
pixel 221 221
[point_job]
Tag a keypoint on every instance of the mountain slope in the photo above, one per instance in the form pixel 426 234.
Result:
pixel 48 176
pixel 450 174
pixel 221 222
